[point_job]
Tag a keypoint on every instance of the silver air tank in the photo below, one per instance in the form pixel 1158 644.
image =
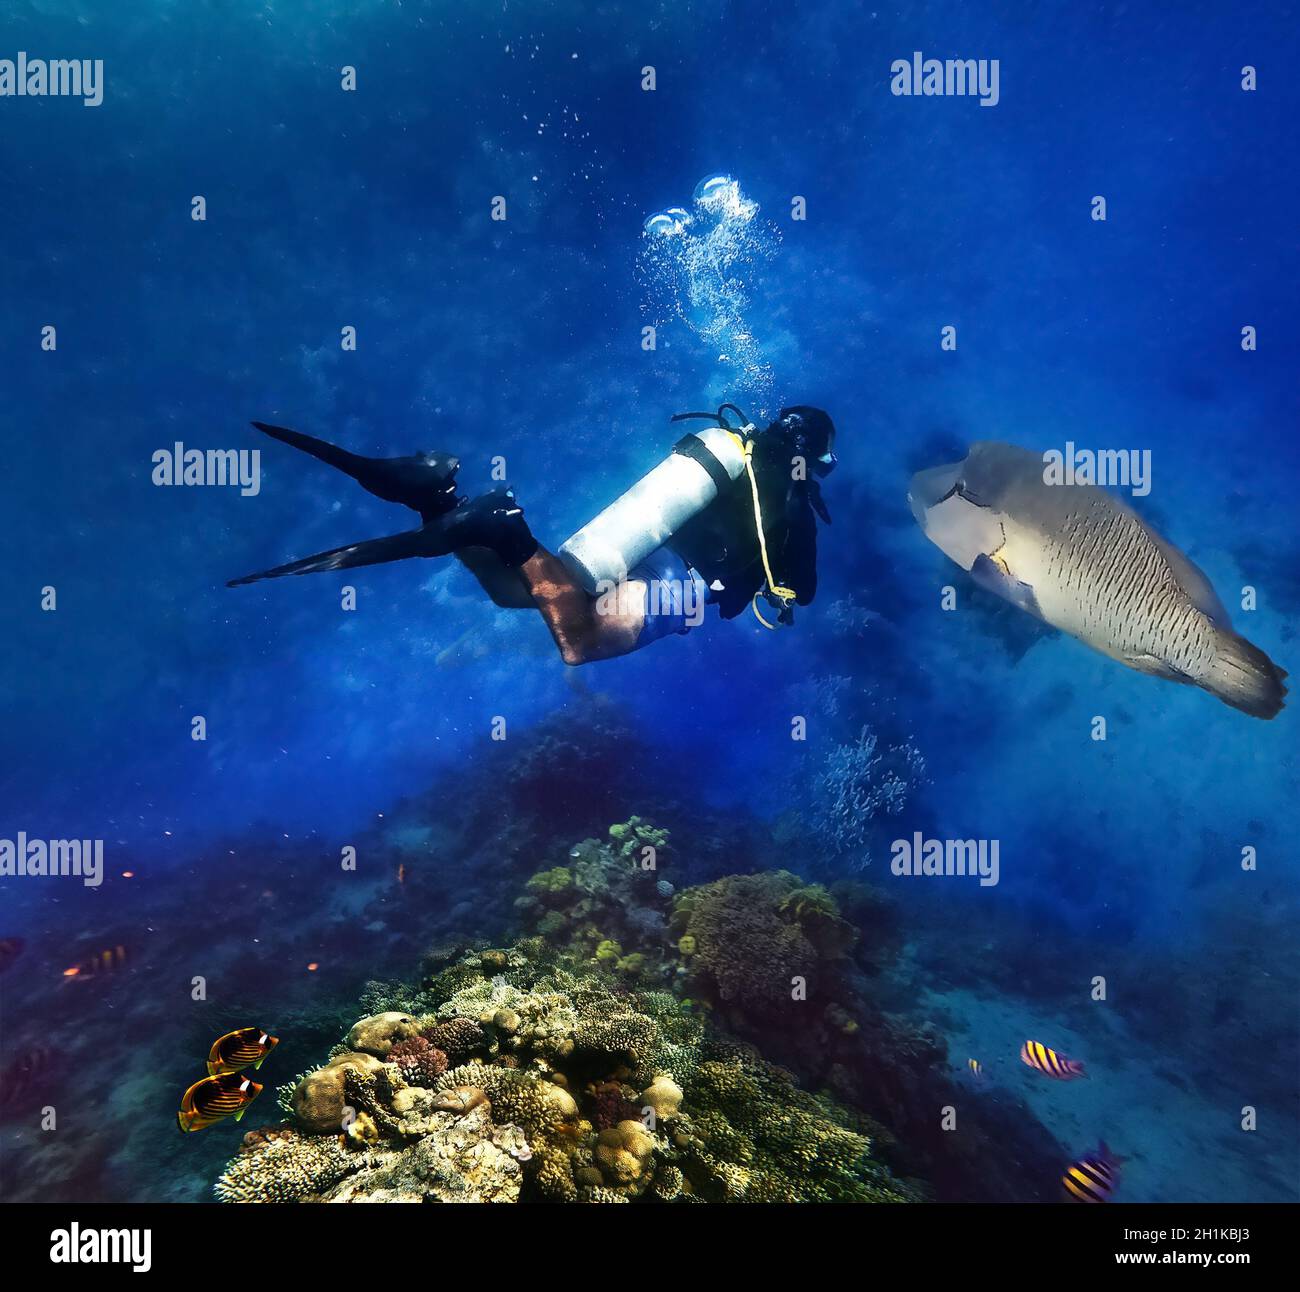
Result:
pixel 605 549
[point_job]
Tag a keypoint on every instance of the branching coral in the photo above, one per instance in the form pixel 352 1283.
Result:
pixel 758 1138
pixel 285 1169
pixel 859 783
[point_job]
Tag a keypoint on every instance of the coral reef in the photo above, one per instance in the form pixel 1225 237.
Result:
pixel 766 949
pixel 318 1098
pixel 761 1139
pixel 459 1158
pixel 418 1060
pixel 572 1091
pixel 292 1168
pixel 607 1055
pixel 858 783
pixel 378 1034
pixel 609 902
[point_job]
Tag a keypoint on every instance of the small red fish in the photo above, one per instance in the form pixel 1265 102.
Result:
pixel 1049 1063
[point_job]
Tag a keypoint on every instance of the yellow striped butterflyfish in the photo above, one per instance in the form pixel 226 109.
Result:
pixel 239 1049
pixel 213 1099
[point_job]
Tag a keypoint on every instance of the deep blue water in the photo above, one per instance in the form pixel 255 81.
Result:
pixel 522 338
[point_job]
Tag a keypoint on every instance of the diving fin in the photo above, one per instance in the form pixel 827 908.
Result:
pixel 493 520
pixel 424 482
pixel 372 551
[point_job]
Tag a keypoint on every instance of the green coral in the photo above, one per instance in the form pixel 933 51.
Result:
pixel 817 914
pixel 551 885
pixel 605 903
pixel 634 836
pixel 756 1137
pixel 632 966
pixel 747 937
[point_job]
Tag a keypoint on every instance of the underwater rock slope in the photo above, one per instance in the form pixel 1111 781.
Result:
pixel 568 1092
pixel 606 1056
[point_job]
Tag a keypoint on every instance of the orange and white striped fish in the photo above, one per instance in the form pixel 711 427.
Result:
pixel 213 1099
pixel 1042 1059
pixel 237 1050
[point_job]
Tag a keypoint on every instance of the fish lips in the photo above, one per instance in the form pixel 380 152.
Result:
pixel 932 486
pixel 956 521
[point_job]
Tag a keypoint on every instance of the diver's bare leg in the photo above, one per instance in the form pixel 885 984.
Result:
pixel 581 632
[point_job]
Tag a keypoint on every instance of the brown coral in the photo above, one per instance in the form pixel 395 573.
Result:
pixel 318 1099
pixel 420 1062
pixel 457 1038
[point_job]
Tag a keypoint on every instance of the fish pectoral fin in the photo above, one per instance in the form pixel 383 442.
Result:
pixel 239 1116
pixel 1156 667
pixel 994 576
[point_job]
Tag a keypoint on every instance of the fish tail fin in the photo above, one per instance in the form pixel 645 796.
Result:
pixel 1244 677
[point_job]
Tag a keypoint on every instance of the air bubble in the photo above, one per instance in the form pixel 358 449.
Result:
pixel 697 267
pixel 665 223
pixel 713 188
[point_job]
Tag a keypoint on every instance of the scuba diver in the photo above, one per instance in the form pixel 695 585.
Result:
pixel 728 519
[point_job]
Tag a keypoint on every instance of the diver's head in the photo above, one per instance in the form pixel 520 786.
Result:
pixel 811 434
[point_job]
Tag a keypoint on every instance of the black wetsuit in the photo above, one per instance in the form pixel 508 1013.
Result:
pixel 720 542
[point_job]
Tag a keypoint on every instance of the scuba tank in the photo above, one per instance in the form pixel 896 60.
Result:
pixel 700 466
